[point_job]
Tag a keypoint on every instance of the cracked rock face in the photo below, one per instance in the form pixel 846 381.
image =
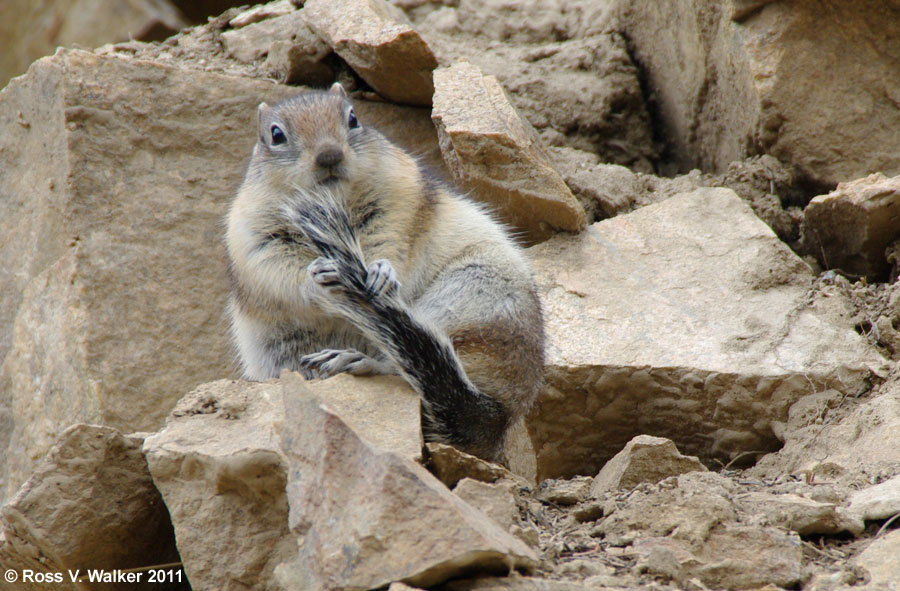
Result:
pixel 688 320
pixel 733 78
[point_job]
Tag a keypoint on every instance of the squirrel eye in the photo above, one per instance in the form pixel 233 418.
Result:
pixel 278 136
pixel 352 123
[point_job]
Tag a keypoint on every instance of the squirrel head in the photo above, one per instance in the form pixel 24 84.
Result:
pixel 308 140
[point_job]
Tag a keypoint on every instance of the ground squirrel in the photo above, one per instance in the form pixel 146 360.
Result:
pixel 446 300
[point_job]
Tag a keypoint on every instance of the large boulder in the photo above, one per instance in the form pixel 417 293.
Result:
pixel 117 175
pixel 732 79
pixel 689 320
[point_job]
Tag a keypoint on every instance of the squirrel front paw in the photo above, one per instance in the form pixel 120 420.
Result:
pixel 324 272
pixel 380 282
pixel 330 362
pixel 381 279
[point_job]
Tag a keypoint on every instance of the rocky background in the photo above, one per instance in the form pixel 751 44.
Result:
pixel 710 194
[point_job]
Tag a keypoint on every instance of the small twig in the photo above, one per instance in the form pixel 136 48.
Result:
pixel 739 456
pixel 821 552
pixel 887 524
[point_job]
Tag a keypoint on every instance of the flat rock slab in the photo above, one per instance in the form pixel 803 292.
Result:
pixel 496 154
pixel 90 504
pixel 377 41
pixel 851 227
pixel 686 319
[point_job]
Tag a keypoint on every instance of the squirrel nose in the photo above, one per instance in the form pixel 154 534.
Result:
pixel 329 156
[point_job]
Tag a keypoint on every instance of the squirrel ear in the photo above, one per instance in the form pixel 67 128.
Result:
pixel 261 112
pixel 337 89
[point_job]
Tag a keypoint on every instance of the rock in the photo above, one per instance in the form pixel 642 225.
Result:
pixel 564 492
pixel 31 31
pixel 497 500
pixel 89 504
pixel 311 484
pixel 730 344
pixel 350 505
pixel 851 227
pixel 605 190
pixel 589 511
pixel 159 150
pixel 382 410
pixel 804 516
pixel 220 459
pixel 578 88
pixel 292 63
pixel 730 79
pixel 687 512
pixel 831 444
pixel 644 459
pixel 252 42
pixel 496 154
pixel 690 529
pixel 661 558
pixel 261 12
pixel 220 469
pixel 376 40
pixel 742 557
pixel 876 502
pixel 451 465
pixel 880 560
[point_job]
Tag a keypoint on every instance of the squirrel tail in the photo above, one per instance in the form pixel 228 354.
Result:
pixel 454 411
